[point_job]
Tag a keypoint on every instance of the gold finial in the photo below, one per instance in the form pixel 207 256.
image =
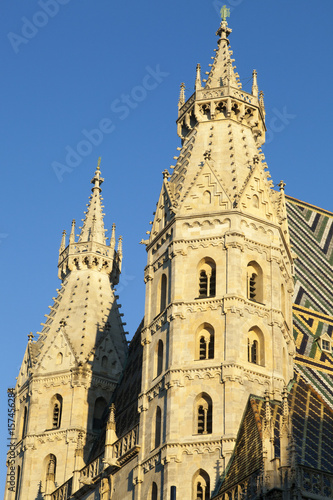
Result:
pixel 99 162
pixel 225 12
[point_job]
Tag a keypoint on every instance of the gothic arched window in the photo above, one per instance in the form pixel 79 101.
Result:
pixel 254 282
pixel 159 358
pixel 207 278
pixel 162 293
pixel 158 427
pixel 56 404
pixel 24 423
pixel 18 483
pixel 205 342
pixel 203 414
pixel 154 491
pixel 256 346
pixel 201 485
pixel 99 407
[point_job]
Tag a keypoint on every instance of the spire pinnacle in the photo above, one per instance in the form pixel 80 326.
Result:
pixel 63 242
pixel 255 88
pixel 198 84
pixel 120 247
pixel 72 235
pixel 181 96
pixel 113 237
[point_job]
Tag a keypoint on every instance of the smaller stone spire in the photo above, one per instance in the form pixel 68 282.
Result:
pixel 72 235
pixel 181 101
pixel 78 464
pixel 198 84
pixel 50 478
pixel 63 242
pixel 120 252
pixel 255 88
pixel 113 237
pixel 110 436
pixel 285 430
pixel 120 246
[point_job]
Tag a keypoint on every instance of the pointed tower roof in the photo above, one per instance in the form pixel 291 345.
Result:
pixel 92 240
pixel 222 128
pixel 220 125
pixel 222 72
pixel 93 224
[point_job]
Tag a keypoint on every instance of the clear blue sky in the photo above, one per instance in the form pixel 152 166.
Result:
pixel 70 74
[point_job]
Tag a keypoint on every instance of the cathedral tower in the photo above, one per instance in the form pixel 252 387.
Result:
pixel 69 374
pixel 218 318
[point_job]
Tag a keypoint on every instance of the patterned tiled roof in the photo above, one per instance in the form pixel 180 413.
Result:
pixel 312 430
pixel 312 423
pixel 311 395
pixel 247 455
pixel 311 230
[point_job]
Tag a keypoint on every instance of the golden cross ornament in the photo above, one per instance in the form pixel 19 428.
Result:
pixel 225 12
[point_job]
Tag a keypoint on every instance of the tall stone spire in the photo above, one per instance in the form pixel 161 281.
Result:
pixel 81 352
pixel 218 283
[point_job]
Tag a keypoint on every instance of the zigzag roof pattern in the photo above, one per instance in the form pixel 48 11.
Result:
pixel 311 230
pixel 312 437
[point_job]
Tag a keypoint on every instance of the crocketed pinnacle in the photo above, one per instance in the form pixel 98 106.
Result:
pixel 222 72
pixel 93 224
pixel 91 251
